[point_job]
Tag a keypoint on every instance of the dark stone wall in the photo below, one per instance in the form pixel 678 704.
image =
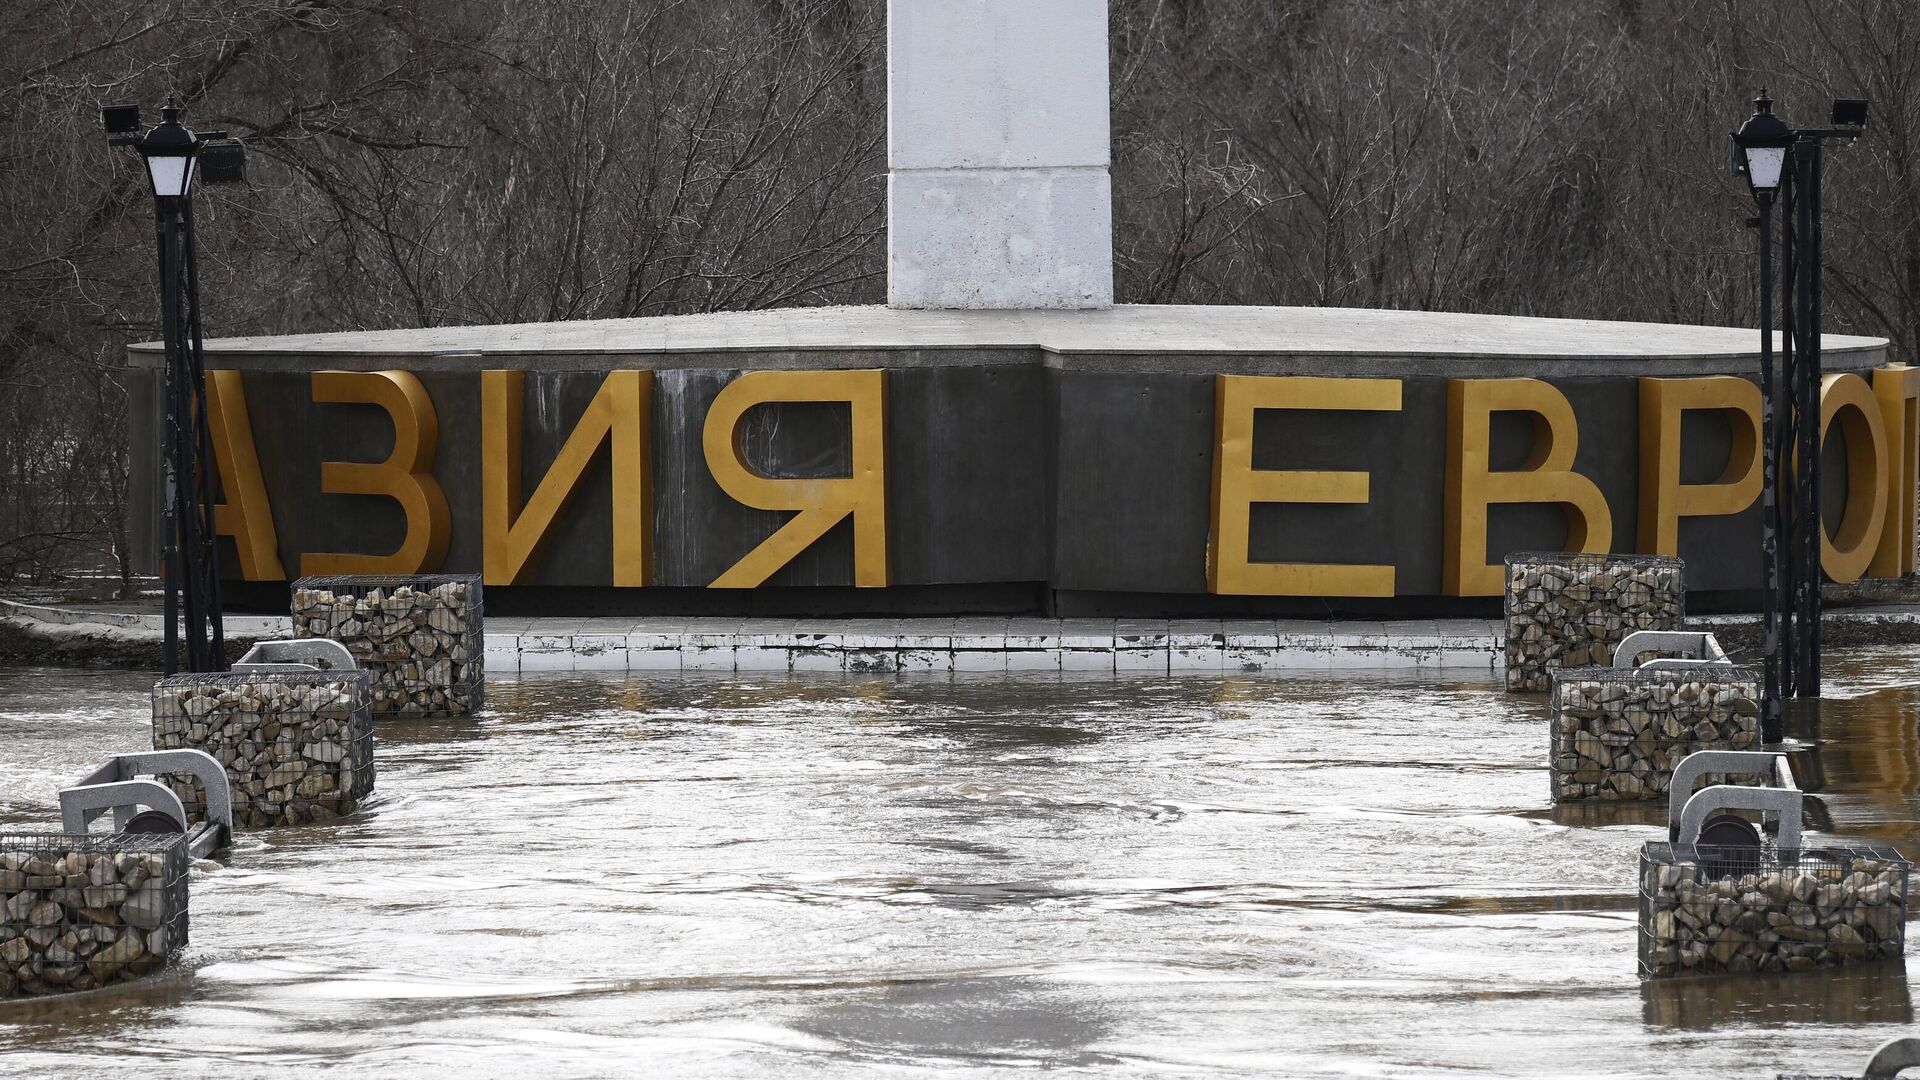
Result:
pixel 1135 482
pixel 1014 481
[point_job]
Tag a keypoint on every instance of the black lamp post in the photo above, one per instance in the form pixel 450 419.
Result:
pixel 1784 164
pixel 174 157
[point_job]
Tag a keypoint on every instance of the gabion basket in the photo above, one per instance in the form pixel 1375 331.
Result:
pixel 1728 909
pixel 78 912
pixel 1569 609
pixel 422 636
pixel 1617 733
pixel 297 746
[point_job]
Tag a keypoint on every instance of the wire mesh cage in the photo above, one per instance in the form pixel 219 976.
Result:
pixel 1569 609
pixel 78 912
pixel 1706 909
pixel 422 636
pixel 1617 733
pixel 297 746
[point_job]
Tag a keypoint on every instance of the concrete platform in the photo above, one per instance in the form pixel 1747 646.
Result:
pixel 880 645
pixel 985 644
pixel 962 644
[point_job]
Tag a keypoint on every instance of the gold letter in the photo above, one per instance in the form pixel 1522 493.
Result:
pixel 1547 477
pixel 1897 388
pixel 246 516
pixel 1664 500
pixel 405 477
pixel 1849 399
pixel 822 502
pixel 616 418
pixel 1237 485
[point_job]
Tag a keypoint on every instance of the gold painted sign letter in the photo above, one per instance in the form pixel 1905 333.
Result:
pixel 1237 485
pixel 821 502
pixel 616 419
pixel 1848 399
pixel 246 515
pixel 406 476
pixel 1897 388
pixel 1547 477
pixel 1664 500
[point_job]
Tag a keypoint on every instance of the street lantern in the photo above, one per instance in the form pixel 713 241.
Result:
pixel 1761 145
pixel 170 151
pixel 190 553
pixel 1784 163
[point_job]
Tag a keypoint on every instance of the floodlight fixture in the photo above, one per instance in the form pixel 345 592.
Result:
pixel 120 119
pixel 1850 112
pixel 223 161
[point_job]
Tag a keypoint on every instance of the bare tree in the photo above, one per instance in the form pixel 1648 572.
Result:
pixel 481 161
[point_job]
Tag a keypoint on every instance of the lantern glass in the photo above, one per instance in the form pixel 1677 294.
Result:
pixel 172 174
pixel 1764 164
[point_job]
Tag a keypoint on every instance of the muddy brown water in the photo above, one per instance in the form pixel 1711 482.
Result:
pixel 1347 874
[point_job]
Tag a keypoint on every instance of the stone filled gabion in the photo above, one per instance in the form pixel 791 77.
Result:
pixel 421 637
pixel 1788 913
pixel 1618 733
pixel 82 912
pixel 297 747
pixel 1570 610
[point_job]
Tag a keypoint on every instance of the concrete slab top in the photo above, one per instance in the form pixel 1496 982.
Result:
pixel 1122 331
pixel 117 634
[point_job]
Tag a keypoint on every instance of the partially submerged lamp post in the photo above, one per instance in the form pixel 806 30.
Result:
pixel 175 158
pixel 1784 164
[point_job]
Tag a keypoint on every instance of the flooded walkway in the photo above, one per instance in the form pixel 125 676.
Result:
pixel 1343 874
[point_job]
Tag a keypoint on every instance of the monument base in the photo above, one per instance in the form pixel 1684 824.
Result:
pixel 1159 461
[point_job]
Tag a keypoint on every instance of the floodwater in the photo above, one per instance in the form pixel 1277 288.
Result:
pixel 1352 874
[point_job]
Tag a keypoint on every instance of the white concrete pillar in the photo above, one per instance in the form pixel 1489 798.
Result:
pixel 997 149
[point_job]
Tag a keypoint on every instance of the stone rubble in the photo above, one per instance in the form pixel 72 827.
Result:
pixel 297 748
pixel 1778 918
pixel 1571 610
pixel 1617 734
pixel 79 919
pixel 423 642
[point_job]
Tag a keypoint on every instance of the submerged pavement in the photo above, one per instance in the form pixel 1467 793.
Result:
pixel 708 874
